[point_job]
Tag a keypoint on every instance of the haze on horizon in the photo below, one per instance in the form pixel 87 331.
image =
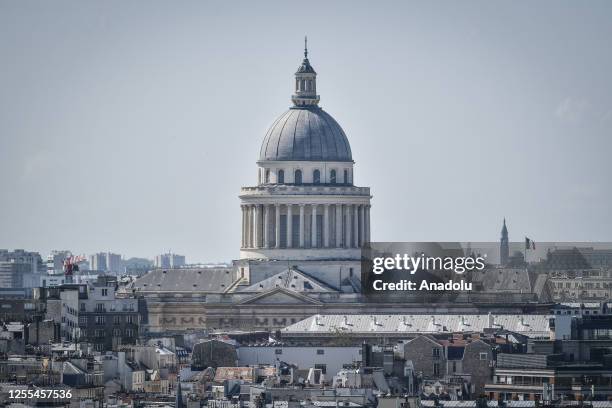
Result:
pixel 131 126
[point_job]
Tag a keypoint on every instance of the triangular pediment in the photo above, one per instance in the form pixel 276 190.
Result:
pixel 290 279
pixel 280 296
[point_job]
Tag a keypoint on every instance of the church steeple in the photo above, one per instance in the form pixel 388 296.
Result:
pixel 504 247
pixel 305 82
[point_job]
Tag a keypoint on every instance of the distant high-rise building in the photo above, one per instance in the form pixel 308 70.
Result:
pixel 13 274
pixel 169 260
pixel 21 256
pixel 55 261
pixel 504 248
pixel 20 269
pixel 106 262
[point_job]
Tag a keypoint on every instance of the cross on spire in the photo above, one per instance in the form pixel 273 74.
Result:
pixel 305 46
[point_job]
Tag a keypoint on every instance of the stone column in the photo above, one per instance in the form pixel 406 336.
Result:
pixel 266 225
pixel 356 226
pixel 338 225
pixel 302 232
pixel 247 227
pixel 347 240
pixel 362 236
pixel 367 221
pixel 277 225
pixel 256 227
pixel 242 227
pixel 289 225
pixel 326 226
pixel 313 237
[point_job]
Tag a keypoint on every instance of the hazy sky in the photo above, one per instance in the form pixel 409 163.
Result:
pixel 130 126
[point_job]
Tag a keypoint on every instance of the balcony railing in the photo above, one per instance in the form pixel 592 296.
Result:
pixel 306 190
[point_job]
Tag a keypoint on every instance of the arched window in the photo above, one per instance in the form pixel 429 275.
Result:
pixel 332 177
pixel 267 176
pixel 316 177
pixel 281 177
pixel 346 180
pixel 298 176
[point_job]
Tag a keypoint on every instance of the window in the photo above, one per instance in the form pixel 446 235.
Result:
pixel 267 176
pixel 100 307
pixel 116 319
pixel 320 352
pixel 82 307
pixel 100 320
pixel 346 180
pixel 104 292
pixel 436 369
pixel 129 333
pixel 316 177
pixel 332 177
pixel 435 353
pixel 484 356
pixel 278 351
pixel 129 319
pixel 281 176
pixel 298 176
pixel 322 367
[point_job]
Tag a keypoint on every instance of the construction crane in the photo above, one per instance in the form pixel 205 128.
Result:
pixel 71 266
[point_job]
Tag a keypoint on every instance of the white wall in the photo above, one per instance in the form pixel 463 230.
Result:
pixel 303 357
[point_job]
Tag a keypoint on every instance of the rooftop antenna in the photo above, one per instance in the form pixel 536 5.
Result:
pixel 305 46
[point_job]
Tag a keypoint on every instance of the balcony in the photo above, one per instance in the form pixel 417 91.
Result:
pixel 323 189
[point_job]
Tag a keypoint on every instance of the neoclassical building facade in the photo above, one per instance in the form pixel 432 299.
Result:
pixel 303 226
pixel 305 205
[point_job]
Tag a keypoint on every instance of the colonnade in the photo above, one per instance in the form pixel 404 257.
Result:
pixel 305 225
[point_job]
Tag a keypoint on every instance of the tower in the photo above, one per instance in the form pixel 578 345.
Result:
pixel 305 82
pixel 504 249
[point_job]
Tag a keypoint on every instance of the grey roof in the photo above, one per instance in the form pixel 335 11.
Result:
pixel 505 280
pixel 306 133
pixel 511 404
pixel 209 280
pixel 305 68
pixel 534 326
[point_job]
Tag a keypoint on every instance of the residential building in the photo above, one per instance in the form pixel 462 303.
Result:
pixel 169 260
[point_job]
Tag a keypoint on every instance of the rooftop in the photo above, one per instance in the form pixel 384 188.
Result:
pixel 534 326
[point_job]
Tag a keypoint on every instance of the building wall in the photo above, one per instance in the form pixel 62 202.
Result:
pixel 304 357
pixel 477 359
pixel 421 352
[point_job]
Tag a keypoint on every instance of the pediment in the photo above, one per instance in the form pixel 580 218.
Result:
pixel 280 296
pixel 290 279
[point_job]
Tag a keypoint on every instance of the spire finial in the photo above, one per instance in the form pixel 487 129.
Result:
pixel 305 46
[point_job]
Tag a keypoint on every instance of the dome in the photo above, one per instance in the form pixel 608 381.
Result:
pixel 305 133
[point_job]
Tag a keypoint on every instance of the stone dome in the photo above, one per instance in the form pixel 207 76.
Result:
pixel 305 134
